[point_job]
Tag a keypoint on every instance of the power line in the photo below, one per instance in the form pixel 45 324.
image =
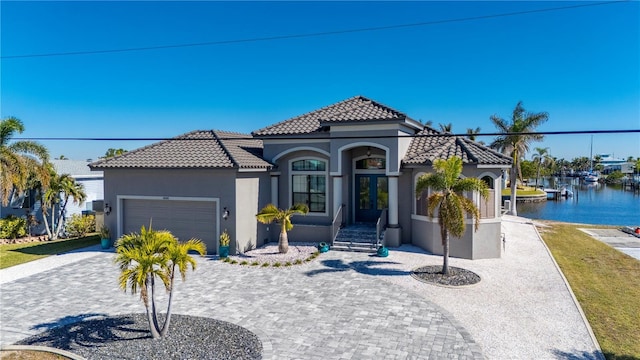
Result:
pixel 318 34
pixel 577 132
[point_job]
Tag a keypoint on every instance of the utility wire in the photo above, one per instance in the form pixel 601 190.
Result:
pixel 318 34
pixel 258 137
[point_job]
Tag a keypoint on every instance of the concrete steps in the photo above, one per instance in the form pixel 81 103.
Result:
pixel 357 238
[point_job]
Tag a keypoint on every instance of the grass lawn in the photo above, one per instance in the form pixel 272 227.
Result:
pixel 525 192
pixel 14 254
pixel 606 282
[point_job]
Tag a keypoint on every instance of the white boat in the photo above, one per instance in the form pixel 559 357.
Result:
pixel 591 177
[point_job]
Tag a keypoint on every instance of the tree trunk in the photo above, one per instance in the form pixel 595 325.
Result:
pixel 513 175
pixel 445 255
pixel 165 327
pixel 283 241
pixel 151 316
pixel 60 216
pixel 46 222
pixel 154 312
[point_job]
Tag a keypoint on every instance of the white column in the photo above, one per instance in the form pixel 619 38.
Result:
pixel 393 201
pixel 274 190
pixel 337 194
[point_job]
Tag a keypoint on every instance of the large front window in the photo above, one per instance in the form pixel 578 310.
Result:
pixel 309 184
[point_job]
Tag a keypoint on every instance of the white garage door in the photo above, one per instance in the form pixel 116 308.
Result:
pixel 185 219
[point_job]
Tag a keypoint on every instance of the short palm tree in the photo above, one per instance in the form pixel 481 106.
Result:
pixel 15 164
pixel 271 213
pixel 149 255
pixel 449 201
pixel 515 142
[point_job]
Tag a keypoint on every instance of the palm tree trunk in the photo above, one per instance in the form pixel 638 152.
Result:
pixel 151 316
pixel 46 222
pixel 165 327
pixel 445 261
pixel 283 241
pixel 513 175
pixel 154 313
pixel 60 215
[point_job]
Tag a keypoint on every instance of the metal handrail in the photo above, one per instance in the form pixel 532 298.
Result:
pixel 335 225
pixel 381 224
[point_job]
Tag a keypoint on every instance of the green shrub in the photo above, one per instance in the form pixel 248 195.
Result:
pixel 13 227
pixel 244 262
pixel 276 264
pixel 226 259
pixel 298 262
pixel 265 265
pixel 80 225
pixel 255 263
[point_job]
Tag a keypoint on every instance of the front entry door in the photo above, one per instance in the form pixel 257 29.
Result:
pixel 372 196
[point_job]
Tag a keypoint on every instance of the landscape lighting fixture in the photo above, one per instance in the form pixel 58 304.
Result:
pixel 107 209
pixel 225 213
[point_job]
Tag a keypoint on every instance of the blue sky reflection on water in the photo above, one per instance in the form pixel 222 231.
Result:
pixel 593 204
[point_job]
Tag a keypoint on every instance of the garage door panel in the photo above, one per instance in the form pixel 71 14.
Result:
pixel 184 219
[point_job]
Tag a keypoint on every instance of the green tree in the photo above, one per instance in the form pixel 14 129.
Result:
pixel 111 152
pixel 150 255
pixel 527 170
pixel 54 195
pixel 449 200
pixel 18 159
pixel 518 133
pixel 271 213
pixel 542 159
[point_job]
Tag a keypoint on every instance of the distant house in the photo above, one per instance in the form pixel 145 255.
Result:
pixel 612 164
pixel 92 181
pixel 353 162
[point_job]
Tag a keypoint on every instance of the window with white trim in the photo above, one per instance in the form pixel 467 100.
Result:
pixel 309 184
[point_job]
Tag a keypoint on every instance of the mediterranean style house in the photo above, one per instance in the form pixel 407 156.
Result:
pixel 353 163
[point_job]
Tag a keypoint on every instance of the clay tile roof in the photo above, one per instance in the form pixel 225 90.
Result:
pixel 426 149
pixel 355 109
pixel 197 149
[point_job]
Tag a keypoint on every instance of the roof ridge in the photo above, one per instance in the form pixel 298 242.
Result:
pixel 485 147
pixel 224 148
pixel 462 142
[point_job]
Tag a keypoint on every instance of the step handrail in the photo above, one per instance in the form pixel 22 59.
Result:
pixel 381 224
pixel 335 225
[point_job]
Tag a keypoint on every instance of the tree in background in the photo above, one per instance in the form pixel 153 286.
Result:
pixel 18 159
pixel 515 141
pixel 471 134
pixel 271 213
pixel 449 200
pixel 150 255
pixel 542 159
pixel 446 128
pixel 111 152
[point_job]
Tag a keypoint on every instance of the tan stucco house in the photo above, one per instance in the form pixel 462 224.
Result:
pixel 353 163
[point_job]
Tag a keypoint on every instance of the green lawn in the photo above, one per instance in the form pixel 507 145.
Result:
pixel 525 192
pixel 606 282
pixel 14 254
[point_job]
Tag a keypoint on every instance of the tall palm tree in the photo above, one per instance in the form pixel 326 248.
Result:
pixel 54 195
pixel 518 133
pixel 449 201
pixel 542 158
pixel 271 213
pixel 149 255
pixel 16 161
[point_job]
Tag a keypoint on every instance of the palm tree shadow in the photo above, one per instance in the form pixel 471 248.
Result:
pixel 584 355
pixel 363 267
pixel 87 330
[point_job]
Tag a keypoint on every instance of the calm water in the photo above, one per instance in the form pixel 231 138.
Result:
pixel 590 204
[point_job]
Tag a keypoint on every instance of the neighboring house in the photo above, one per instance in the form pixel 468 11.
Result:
pixel 612 164
pixel 351 162
pixel 92 181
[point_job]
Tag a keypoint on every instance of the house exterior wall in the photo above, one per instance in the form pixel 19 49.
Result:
pixel 167 183
pixel 251 194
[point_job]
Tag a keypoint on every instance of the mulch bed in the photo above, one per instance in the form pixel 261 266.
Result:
pixel 457 276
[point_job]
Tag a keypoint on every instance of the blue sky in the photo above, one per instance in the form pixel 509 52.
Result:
pixel 580 65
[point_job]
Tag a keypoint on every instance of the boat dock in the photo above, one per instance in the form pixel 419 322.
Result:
pixel 556 194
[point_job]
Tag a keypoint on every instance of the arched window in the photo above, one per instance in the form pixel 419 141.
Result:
pixel 488 206
pixel 309 184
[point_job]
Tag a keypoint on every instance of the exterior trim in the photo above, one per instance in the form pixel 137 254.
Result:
pixel 359 144
pixel 301 148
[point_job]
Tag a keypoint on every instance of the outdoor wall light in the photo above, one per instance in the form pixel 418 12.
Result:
pixel 225 213
pixel 107 209
pixel 369 151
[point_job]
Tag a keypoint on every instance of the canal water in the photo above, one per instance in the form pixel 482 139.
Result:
pixel 590 204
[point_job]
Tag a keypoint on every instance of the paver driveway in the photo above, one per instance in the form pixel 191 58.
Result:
pixel 333 308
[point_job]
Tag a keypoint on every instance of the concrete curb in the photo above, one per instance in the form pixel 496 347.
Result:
pixel 64 353
pixel 573 296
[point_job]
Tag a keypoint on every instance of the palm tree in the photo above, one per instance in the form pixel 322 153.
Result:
pixel 446 128
pixel 111 152
pixel 271 213
pixel 542 158
pixel 515 141
pixel 56 192
pixel 449 201
pixel 15 160
pixel 149 255
pixel 471 134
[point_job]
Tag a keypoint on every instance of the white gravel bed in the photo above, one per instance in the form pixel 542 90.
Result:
pixel 521 309
pixel 270 254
